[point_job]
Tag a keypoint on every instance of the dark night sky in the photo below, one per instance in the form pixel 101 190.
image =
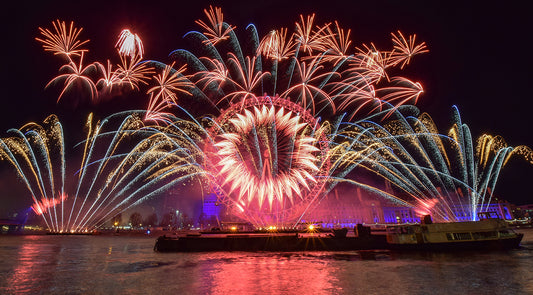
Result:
pixel 479 57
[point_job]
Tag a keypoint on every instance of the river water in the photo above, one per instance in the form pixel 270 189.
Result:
pixel 44 264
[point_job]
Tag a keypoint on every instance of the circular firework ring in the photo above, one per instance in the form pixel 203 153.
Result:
pixel 269 159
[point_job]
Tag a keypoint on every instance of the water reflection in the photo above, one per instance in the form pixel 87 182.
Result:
pixel 32 261
pixel 122 265
pixel 243 273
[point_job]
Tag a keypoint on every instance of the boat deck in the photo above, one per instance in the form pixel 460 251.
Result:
pixel 268 242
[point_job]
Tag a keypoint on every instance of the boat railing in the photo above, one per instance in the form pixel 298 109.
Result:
pixel 488 215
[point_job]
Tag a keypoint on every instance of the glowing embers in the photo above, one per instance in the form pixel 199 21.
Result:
pixel 41 207
pixel 268 159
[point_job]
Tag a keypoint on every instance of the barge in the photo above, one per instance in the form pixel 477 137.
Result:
pixel 279 242
pixel 487 233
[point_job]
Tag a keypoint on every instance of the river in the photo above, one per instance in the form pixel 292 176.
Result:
pixel 43 264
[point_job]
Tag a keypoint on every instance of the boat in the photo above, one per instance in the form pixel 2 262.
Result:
pixel 336 240
pixel 489 232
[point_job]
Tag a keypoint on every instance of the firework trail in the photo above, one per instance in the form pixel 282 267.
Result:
pixel 124 163
pixel 37 154
pixel 131 71
pixel 315 66
pixel 446 176
pixel 62 41
pixel 130 44
pixel 76 73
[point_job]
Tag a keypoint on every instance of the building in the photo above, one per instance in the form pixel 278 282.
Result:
pixel 347 209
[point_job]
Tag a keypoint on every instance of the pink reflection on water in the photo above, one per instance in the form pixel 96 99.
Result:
pixel 269 273
pixel 29 267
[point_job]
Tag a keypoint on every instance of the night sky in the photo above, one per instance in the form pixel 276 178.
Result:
pixel 479 59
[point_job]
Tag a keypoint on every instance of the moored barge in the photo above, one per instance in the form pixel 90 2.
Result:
pixel 295 241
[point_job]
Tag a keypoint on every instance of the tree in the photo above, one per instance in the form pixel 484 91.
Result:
pixel 136 219
pixel 151 220
pixel 168 219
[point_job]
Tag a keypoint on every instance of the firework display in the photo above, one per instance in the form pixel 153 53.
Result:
pixel 131 71
pixel 270 159
pixel 266 172
pixel 272 125
pixel 445 176
pixel 123 163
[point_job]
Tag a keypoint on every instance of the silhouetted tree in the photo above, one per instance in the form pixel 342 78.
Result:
pixel 136 219
pixel 168 219
pixel 151 220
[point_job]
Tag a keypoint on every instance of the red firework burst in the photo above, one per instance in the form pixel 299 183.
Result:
pixel 268 159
